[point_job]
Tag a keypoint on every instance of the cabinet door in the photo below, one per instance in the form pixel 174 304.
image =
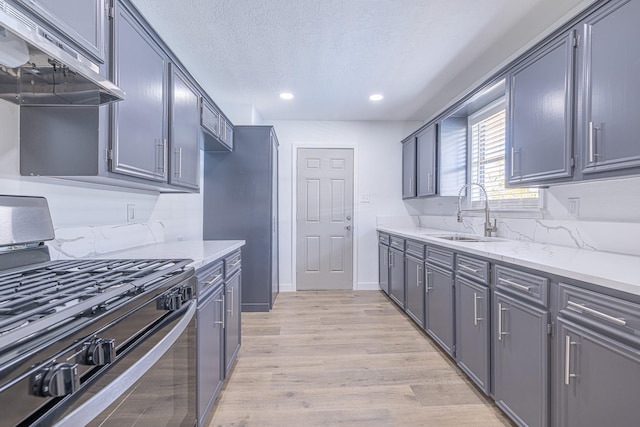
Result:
pixel 210 352
pixel 383 268
pixel 139 139
pixel 439 319
pixel 415 289
pixel 275 257
pixel 233 308
pixel 521 359
pixel 472 331
pixel 598 379
pixel 426 163
pixel 82 21
pixel 409 169
pixel 184 132
pixel 540 110
pixel 610 61
pixel 396 277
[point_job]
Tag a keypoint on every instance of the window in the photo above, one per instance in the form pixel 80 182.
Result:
pixel 487 139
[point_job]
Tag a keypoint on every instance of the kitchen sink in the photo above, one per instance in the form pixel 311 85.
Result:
pixel 469 239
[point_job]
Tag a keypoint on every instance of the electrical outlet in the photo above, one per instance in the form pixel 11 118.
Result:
pixel 365 198
pixel 131 213
pixel 574 206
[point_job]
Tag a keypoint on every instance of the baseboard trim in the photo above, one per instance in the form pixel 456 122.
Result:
pixel 286 287
pixel 367 286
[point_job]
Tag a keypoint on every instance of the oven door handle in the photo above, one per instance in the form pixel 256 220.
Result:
pixel 109 394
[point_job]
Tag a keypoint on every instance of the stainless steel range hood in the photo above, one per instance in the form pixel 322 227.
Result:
pixel 38 69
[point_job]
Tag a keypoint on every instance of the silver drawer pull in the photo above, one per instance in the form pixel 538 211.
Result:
pixel 236 263
pixel 213 280
pixel 581 307
pixel 514 285
pixel 464 267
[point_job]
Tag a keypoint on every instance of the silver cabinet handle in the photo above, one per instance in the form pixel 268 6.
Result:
pixel 178 172
pixel 513 155
pixel 389 259
pixel 418 283
pixel 580 307
pixel 231 303
pixel 464 267
pixel 216 277
pixel 500 320
pixel 515 285
pixel 567 359
pixel 236 263
pixel 476 319
pixel 162 144
pixel 427 288
pixel 220 322
pixel 592 142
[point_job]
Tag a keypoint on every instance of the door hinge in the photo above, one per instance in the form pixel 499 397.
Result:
pixel 109 154
pixel 549 329
pixel 576 40
pixel 110 9
pixel 572 162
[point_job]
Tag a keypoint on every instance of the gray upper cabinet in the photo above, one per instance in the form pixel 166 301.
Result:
pixel 610 90
pixel 81 21
pixel 139 139
pixel 218 130
pixel 184 132
pixel 426 161
pixel 540 111
pixel 409 168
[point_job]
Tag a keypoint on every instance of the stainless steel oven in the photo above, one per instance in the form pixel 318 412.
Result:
pixel 91 342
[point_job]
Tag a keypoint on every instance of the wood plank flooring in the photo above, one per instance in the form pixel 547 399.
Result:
pixel 345 358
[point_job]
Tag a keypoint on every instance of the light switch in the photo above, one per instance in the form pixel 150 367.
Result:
pixel 131 213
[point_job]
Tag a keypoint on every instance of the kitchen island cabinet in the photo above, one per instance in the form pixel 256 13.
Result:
pixel 439 297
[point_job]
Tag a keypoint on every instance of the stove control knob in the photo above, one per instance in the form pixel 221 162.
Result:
pixel 97 352
pixel 55 380
pixel 170 302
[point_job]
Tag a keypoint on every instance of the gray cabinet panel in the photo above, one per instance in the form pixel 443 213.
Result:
pixel 439 308
pixel 232 322
pixel 598 381
pixel 521 360
pixel 210 346
pixel 240 204
pixel 396 277
pixel 415 289
pixel 383 268
pixel 610 61
pixel 409 168
pixel 472 331
pixel 540 111
pixel 184 132
pixel 82 21
pixel 426 161
pixel 139 122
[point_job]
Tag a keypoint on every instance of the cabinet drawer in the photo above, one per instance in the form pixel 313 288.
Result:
pixel 530 287
pixel 397 242
pixel 595 309
pixel 440 257
pixel 473 268
pixel 415 248
pixel 232 263
pixel 209 276
pixel 383 238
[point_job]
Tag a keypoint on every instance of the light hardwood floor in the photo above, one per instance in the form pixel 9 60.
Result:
pixel 345 358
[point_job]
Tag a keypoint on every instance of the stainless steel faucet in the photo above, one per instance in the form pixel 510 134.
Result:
pixel 488 228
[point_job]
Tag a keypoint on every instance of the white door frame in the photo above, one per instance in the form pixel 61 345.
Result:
pixel 294 204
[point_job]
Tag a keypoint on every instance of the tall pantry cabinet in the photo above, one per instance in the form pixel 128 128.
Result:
pixel 241 202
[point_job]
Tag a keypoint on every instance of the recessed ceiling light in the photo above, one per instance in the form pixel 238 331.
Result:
pixel 286 95
pixel 376 97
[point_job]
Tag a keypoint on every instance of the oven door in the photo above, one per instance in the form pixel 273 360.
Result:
pixel 154 385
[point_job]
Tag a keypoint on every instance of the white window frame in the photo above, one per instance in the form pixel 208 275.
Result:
pixel 495 206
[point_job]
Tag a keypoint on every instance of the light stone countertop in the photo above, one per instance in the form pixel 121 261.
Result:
pixel 609 270
pixel 202 252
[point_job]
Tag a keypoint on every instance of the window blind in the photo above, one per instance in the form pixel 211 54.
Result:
pixel 487 130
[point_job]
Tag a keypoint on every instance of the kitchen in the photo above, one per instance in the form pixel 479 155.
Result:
pixel 598 214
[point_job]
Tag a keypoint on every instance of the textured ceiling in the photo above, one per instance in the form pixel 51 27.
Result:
pixel 332 54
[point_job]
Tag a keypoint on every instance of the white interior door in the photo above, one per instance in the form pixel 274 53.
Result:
pixel 324 226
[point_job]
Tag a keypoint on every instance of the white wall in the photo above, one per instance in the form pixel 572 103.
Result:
pixel 377 172
pixel 80 205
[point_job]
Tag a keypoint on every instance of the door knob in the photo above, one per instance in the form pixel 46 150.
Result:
pixel 348 227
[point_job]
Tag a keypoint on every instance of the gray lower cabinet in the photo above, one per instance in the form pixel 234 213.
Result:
pixel 232 321
pixel 609 96
pixel 396 277
pixel 472 331
pixel 521 360
pixel 383 267
pixel 83 22
pixel 539 142
pixel 241 203
pixel 426 173
pixel 210 346
pixel 139 123
pixel 184 131
pixel 409 168
pixel 439 307
pixel 414 297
